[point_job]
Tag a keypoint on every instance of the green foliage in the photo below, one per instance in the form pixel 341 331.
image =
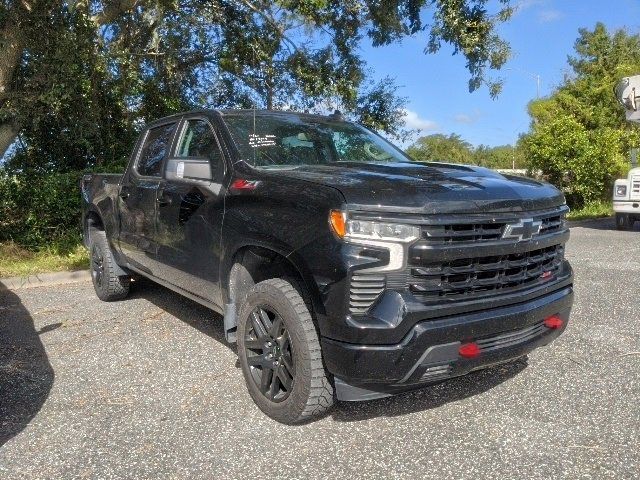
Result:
pixel 443 148
pixel 502 156
pixel 452 148
pixel 582 163
pixel 592 210
pixel 17 261
pixel 579 137
pixel 39 210
pixel 65 100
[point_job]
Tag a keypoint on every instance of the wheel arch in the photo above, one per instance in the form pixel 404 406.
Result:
pixel 92 219
pixel 253 263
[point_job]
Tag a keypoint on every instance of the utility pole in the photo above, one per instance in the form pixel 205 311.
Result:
pixel 535 76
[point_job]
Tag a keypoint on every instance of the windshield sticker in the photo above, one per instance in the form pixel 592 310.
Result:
pixel 257 141
pixel 180 170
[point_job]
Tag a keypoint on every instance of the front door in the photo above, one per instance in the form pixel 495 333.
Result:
pixel 190 211
pixel 138 198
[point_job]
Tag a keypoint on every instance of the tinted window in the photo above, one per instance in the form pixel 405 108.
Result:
pixel 198 141
pixel 154 149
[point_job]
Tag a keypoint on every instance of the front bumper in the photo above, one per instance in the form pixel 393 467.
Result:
pixel 429 351
pixel 627 206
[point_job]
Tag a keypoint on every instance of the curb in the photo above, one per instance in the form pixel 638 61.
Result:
pixel 44 279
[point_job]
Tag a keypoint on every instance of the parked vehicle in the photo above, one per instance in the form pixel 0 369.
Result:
pixel 626 200
pixel 342 268
pixel 626 191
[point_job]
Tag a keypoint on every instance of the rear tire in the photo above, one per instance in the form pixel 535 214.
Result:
pixel 623 221
pixel 280 354
pixel 107 284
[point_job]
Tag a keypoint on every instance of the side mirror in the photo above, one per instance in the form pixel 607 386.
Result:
pixel 189 169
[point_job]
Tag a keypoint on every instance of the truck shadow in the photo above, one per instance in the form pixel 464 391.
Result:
pixel 26 376
pixel 429 396
pixel 210 323
pixel 192 313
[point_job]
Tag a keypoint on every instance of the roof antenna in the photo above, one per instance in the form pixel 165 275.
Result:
pixel 253 135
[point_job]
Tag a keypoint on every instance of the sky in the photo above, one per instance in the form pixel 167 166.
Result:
pixel 541 35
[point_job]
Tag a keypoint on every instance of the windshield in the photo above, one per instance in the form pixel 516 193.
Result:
pixel 268 140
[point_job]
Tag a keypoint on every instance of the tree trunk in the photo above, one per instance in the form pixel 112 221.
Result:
pixel 10 52
pixel 8 134
pixel 11 46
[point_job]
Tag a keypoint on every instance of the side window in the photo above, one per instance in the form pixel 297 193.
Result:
pixel 198 141
pixel 154 149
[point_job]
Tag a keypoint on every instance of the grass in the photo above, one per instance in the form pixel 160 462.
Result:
pixel 592 210
pixel 16 261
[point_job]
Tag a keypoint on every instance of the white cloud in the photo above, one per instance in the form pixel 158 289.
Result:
pixel 523 5
pixel 546 16
pixel 413 121
pixel 468 118
pixel 543 12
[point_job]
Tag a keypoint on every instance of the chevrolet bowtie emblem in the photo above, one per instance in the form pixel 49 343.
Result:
pixel 525 229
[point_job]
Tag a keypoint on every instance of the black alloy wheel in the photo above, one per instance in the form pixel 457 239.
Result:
pixel 97 266
pixel 280 353
pixel 269 354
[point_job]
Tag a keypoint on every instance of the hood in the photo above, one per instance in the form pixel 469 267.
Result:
pixel 430 188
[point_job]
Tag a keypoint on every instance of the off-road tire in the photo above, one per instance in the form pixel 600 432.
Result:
pixel 623 221
pixel 108 286
pixel 311 393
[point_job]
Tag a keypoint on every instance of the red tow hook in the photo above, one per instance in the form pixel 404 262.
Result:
pixel 469 350
pixel 553 322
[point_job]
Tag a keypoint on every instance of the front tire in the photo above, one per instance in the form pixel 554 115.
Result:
pixel 280 354
pixel 623 221
pixel 107 284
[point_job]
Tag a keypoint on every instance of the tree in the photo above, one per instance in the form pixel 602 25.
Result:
pixel 452 148
pixel 502 156
pixel 578 136
pixel 579 161
pixel 138 59
pixel 444 148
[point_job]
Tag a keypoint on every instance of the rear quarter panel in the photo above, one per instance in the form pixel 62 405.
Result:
pixel 99 196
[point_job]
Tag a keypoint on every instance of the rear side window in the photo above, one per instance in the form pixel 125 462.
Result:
pixel 198 141
pixel 154 149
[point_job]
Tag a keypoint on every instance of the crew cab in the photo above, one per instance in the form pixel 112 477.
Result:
pixel 343 269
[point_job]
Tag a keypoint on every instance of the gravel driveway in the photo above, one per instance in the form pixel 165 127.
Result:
pixel 147 388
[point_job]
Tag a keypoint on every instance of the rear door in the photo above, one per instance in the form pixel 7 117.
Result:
pixel 138 197
pixel 190 210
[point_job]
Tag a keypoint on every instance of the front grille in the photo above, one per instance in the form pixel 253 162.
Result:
pixel 635 187
pixel 479 276
pixel 485 231
pixel 363 291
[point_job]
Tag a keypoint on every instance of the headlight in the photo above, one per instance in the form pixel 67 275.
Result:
pixel 621 190
pixel 372 230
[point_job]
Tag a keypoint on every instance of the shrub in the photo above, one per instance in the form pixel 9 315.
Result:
pixel 37 211
pixel 582 163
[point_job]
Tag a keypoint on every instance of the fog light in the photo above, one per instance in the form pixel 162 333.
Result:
pixel 553 322
pixel 469 350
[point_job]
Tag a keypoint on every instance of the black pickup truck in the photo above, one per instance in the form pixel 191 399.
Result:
pixel 342 268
